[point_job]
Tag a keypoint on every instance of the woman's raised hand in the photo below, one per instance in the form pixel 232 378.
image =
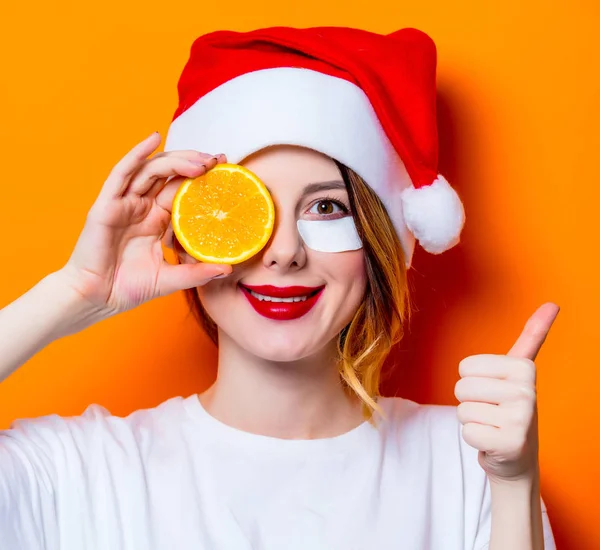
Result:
pixel 118 261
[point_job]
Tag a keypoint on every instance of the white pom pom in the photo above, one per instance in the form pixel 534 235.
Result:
pixel 434 214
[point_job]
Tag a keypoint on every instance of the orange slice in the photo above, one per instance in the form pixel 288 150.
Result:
pixel 224 216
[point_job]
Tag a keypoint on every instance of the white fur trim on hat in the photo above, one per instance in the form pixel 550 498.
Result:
pixel 296 106
pixel 434 214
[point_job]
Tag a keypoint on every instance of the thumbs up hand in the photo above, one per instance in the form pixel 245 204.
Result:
pixel 498 405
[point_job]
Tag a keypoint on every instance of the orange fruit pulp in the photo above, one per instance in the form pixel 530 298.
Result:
pixel 224 216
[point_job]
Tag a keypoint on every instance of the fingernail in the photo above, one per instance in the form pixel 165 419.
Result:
pixel 221 275
pixel 199 164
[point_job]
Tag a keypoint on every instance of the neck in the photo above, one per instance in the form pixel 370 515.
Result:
pixel 302 399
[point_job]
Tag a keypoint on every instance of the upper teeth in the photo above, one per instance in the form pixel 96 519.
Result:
pixel 273 299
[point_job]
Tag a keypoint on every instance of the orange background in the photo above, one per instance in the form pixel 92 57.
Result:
pixel 518 117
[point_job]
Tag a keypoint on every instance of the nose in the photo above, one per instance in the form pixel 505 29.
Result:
pixel 285 250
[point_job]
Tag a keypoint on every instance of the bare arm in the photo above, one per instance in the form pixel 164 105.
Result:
pixel 117 263
pixel 517 515
pixel 50 310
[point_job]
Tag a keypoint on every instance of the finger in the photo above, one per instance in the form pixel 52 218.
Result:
pixel 173 278
pixel 166 195
pixel 534 334
pixel 160 184
pixel 482 437
pixel 479 413
pixel 498 366
pixel 152 187
pixel 168 238
pixel 203 159
pixel 119 177
pixel 189 154
pixel 163 167
pixel 491 390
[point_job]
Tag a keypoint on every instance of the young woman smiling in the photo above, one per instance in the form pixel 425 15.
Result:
pixel 292 446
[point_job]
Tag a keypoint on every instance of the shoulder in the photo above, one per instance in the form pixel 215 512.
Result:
pixel 438 423
pixel 401 413
pixel 429 431
pixel 47 439
pixel 54 466
pixel 94 415
pixel 427 441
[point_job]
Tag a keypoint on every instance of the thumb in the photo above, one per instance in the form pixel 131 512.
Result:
pixel 534 334
pixel 172 278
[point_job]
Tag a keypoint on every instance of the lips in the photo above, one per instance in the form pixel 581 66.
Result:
pixel 282 311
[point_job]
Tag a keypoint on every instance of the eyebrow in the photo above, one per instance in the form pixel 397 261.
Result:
pixel 323 186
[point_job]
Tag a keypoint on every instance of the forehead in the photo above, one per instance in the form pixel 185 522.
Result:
pixel 291 167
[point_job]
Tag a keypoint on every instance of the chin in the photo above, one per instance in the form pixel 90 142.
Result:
pixel 282 348
pixel 280 341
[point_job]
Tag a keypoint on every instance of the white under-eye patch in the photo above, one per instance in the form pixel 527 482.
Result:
pixel 338 235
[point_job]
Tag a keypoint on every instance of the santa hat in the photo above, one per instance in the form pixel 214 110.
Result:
pixel 364 99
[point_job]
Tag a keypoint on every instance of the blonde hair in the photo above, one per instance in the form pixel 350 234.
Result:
pixel 378 324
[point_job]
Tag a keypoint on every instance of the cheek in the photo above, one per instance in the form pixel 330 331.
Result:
pixel 216 302
pixel 214 296
pixel 354 265
pixel 347 281
pixel 346 273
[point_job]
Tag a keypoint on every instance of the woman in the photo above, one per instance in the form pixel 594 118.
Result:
pixel 291 447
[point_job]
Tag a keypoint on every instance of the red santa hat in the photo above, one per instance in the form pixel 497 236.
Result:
pixel 364 99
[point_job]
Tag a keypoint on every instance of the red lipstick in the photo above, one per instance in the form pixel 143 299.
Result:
pixel 282 311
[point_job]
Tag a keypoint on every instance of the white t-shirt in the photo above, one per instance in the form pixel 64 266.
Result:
pixel 174 477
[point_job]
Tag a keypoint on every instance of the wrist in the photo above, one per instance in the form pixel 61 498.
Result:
pixel 529 478
pixel 70 311
pixel 514 489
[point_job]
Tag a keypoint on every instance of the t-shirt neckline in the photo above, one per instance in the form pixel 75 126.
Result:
pixel 211 426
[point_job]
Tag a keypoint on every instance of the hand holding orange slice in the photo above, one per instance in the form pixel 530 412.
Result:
pixel 224 216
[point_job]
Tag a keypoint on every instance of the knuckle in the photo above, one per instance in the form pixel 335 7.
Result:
pixel 524 392
pixel 522 369
pixel 180 163
pixel 118 172
pixel 459 389
pixel 525 364
pixel 469 433
pixel 184 153
pixel 206 156
pixel 516 444
pixel 466 430
pixel 518 418
pixel 530 368
pixel 462 411
pixel 159 167
pixel 464 366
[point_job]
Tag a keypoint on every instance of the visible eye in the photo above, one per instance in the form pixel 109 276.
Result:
pixel 329 208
